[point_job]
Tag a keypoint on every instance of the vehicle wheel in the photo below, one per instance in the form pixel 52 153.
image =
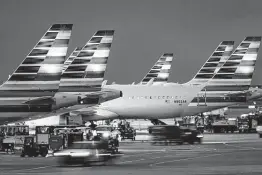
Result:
pixel 232 131
pixel 44 153
pixel 180 143
pixel 260 135
pixel 22 154
pixel 240 131
pixel 222 130
pixel 191 142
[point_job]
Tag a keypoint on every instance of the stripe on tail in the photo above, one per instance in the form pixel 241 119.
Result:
pixel 71 58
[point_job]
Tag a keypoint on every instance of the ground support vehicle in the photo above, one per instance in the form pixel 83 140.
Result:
pixel 85 153
pixel 247 123
pixel 13 136
pixel 224 126
pixel 128 133
pixel 168 134
pixel 30 148
pixel 45 138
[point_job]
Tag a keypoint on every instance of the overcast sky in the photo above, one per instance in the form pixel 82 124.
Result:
pixel 191 29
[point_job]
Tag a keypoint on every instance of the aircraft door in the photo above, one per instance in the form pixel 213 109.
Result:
pixel 201 98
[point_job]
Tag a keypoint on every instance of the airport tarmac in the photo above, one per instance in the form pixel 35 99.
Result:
pixel 229 154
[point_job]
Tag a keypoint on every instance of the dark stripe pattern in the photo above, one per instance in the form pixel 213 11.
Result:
pixel 231 78
pixel 214 62
pixel 41 69
pixel 88 67
pixel 160 71
pixel 71 58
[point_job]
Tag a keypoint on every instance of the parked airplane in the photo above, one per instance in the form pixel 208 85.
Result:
pixel 231 84
pixel 35 87
pixel 227 77
pixel 171 99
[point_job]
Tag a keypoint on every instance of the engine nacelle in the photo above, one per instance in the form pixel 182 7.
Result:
pixel 65 100
pixel 109 94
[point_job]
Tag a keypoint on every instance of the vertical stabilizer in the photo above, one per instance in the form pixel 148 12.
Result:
pixel 42 67
pixel 88 68
pixel 160 71
pixel 214 63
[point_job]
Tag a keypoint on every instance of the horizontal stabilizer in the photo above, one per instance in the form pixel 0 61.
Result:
pixel 40 100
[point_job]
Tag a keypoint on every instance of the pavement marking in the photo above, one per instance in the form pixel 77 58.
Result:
pixel 244 147
pixel 36 168
pixel 189 158
pixel 130 161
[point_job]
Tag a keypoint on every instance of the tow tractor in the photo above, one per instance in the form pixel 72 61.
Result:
pixel 51 138
pixel 30 148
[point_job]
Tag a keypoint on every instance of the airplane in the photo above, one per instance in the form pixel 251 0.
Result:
pixel 172 100
pixel 234 75
pixel 163 65
pixel 36 86
pixel 231 83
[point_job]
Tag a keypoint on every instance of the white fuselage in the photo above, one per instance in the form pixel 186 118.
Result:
pixel 150 102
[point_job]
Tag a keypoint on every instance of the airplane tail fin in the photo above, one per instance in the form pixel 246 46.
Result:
pixel 42 67
pixel 214 62
pixel 238 70
pixel 160 71
pixel 88 68
pixel 71 58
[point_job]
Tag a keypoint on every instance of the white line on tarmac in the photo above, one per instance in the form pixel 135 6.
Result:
pixel 190 158
pixel 137 160
pixel 244 147
pixel 36 168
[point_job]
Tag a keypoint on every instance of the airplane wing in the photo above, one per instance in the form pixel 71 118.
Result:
pixel 86 112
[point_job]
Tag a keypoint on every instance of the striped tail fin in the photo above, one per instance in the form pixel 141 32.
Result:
pixel 160 71
pixel 88 68
pixel 71 58
pixel 42 67
pixel 214 63
pixel 238 70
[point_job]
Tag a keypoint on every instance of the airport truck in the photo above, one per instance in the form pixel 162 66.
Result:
pixel 247 123
pixel 225 126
